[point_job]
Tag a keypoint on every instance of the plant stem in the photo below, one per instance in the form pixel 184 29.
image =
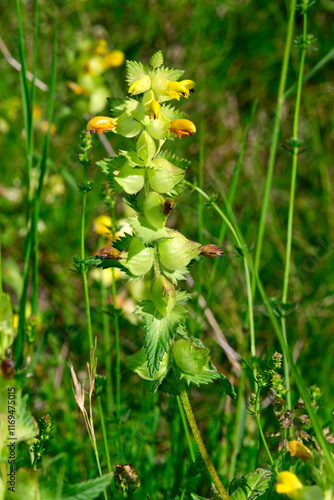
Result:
pixel 274 140
pixel 104 433
pixel 107 344
pixel 291 203
pixel 286 352
pixel 117 346
pixel 193 425
pixel 238 425
pixel 258 421
pixel 186 430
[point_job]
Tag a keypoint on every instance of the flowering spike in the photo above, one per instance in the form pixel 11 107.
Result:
pixel 100 124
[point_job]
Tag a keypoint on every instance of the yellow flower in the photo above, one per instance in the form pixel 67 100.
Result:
pixel 297 449
pixel 113 59
pixel 289 484
pixel 101 225
pixel 140 86
pixel 101 47
pixel 154 111
pixel 100 124
pixel 181 89
pixel 182 127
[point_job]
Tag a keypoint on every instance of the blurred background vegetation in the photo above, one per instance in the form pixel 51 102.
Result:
pixel 233 51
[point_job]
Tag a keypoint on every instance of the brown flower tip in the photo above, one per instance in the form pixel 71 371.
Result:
pixel 8 368
pixel 110 253
pixel 212 251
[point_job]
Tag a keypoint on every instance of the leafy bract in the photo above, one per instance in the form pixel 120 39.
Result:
pixel 175 160
pixel 88 490
pixel 145 232
pixel 170 74
pixel 117 106
pixel 131 179
pixel 122 242
pixel 159 331
pixel 134 71
pixel 108 165
pixel 138 363
pixel 157 60
pixel 252 485
pixel 172 113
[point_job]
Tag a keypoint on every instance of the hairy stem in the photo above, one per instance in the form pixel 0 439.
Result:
pixel 193 425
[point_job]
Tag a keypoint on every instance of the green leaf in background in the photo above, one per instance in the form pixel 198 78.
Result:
pixel 157 60
pixel 87 490
pixel 159 331
pixel 26 486
pixel 253 485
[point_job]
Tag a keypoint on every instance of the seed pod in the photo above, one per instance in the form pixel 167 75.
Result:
pixel 140 258
pixel 189 358
pixel 176 252
pixel 168 206
pixel 163 295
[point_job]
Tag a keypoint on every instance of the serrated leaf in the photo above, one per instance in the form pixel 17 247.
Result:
pixel 172 113
pixel 108 165
pixel 157 60
pixel 228 387
pixel 117 106
pixel 132 200
pixel 122 242
pixel 159 331
pixel 253 485
pixel 134 71
pixel 145 232
pixel 87 490
pixel 175 160
pixel 138 363
pixel 170 74
pixel 174 276
pixel 206 377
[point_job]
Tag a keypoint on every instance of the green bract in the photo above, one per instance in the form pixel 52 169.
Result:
pixel 176 252
pixel 140 258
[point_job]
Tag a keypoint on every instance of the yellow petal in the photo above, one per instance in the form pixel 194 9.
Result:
pixel 100 124
pixel 182 127
pixel 101 224
pixel 289 484
pixel 113 59
pixel 297 449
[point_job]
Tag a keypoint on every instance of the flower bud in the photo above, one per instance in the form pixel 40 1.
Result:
pixel 100 124
pixel 182 127
pixel 212 251
pixel 176 252
pixel 163 295
pixel 154 111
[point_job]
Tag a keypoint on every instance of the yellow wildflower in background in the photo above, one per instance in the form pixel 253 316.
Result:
pixel 289 484
pixel 297 449
pixel 101 225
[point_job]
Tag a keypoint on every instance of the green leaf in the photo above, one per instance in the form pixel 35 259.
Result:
pixel 140 258
pixel 122 243
pixel 134 201
pixel 108 165
pixel 253 485
pixel 157 60
pixel 133 159
pixel 159 331
pixel 170 74
pixel 175 160
pixel 172 113
pixel 131 179
pixel 87 490
pixel 138 363
pixel 164 175
pixel 206 377
pixel 228 387
pixel 127 126
pixel 174 276
pixel 145 232
pixel 134 71
pixel 196 497
pixel 117 106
